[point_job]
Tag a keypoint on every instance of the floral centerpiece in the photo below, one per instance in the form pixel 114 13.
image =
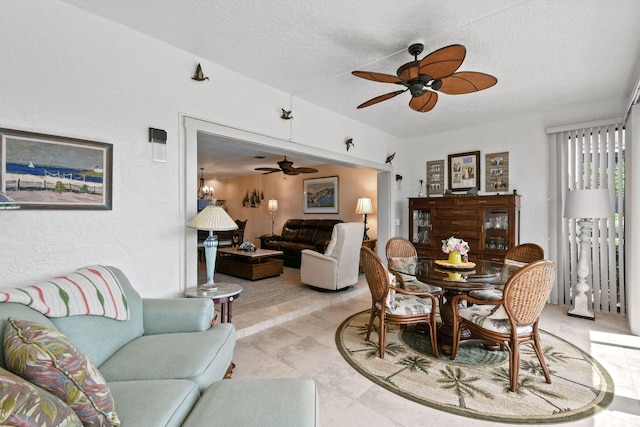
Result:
pixel 456 248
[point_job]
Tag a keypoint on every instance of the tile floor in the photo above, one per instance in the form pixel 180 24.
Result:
pixel 294 341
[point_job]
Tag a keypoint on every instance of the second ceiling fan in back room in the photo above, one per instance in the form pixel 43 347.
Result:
pixel 286 167
pixel 435 72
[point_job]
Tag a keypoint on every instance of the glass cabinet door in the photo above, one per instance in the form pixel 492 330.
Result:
pixel 421 232
pixel 496 227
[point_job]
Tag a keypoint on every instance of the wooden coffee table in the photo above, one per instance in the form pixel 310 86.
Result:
pixel 250 265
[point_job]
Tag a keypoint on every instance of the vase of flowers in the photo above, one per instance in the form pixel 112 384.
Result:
pixel 456 248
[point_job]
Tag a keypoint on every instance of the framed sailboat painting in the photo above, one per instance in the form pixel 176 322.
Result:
pixel 41 171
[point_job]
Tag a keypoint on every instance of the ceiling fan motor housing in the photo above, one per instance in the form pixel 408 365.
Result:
pixel 416 88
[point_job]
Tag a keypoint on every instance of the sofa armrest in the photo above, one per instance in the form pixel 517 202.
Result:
pixel 162 316
pixel 321 246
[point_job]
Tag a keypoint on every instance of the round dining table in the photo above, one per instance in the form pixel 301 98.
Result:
pixel 457 280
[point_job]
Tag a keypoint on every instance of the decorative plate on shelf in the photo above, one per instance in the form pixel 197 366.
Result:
pixel 462 266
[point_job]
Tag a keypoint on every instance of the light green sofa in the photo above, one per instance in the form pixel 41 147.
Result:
pixel 162 361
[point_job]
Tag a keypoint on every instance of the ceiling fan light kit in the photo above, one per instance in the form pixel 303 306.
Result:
pixel 435 72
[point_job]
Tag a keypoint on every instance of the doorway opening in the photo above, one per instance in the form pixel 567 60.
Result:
pixel 193 129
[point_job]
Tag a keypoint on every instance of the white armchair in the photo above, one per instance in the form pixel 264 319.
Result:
pixel 339 266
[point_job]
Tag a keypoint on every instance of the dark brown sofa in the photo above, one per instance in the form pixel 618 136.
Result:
pixel 299 234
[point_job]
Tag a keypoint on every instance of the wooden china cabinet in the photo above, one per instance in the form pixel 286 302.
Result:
pixel 490 224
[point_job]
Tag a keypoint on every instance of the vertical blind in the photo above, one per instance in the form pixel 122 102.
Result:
pixel 588 158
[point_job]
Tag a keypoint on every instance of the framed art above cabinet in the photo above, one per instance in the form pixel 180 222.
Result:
pixel 435 177
pixel 497 172
pixel 464 171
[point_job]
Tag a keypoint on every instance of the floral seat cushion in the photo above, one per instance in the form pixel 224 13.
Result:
pixel 406 305
pixel 486 294
pixel 406 268
pixel 491 317
pixel 422 287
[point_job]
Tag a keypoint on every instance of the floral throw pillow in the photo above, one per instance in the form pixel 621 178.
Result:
pixel 23 404
pixel 48 359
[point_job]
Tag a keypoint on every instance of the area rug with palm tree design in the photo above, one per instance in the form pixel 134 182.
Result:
pixel 476 383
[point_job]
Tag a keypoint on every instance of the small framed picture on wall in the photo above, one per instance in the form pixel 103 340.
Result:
pixel 497 172
pixel 435 177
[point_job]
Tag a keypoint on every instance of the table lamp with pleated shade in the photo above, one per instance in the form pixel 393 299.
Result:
pixel 212 218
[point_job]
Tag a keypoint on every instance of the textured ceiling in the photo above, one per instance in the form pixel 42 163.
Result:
pixel 547 55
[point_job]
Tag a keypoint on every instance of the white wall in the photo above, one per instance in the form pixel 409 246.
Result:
pixel 523 138
pixel 69 73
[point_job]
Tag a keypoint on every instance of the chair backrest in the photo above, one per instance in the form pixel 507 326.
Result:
pixel 526 292
pixel 525 253
pixel 375 273
pixel 346 240
pixel 237 236
pixel 399 247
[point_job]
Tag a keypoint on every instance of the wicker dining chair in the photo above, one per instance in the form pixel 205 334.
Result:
pixel 394 305
pixel 401 252
pixel 511 321
pixel 399 247
pixel 516 257
pixel 526 253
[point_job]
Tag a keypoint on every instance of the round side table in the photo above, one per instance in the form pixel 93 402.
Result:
pixel 224 295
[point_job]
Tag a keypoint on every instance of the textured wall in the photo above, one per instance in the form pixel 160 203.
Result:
pixel 66 72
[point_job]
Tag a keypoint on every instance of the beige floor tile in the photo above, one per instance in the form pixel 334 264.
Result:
pixel 298 340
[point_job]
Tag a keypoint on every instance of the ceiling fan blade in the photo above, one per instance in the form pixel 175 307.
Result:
pixel 307 170
pixel 291 171
pixel 424 102
pixel 377 77
pixel 443 62
pixel 268 169
pixel 467 82
pixel 381 98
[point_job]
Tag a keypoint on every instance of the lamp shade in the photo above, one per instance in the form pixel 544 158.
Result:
pixel 591 203
pixel 364 206
pixel 213 218
pixel 273 205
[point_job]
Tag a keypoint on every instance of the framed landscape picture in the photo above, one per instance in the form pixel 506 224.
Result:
pixel 497 172
pixel 321 195
pixel 41 171
pixel 464 171
pixel 435 177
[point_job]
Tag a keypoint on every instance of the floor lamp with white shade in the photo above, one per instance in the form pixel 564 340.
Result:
pixel 272 207
pixel 364 207
pixel 212 218
pixel 585 205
